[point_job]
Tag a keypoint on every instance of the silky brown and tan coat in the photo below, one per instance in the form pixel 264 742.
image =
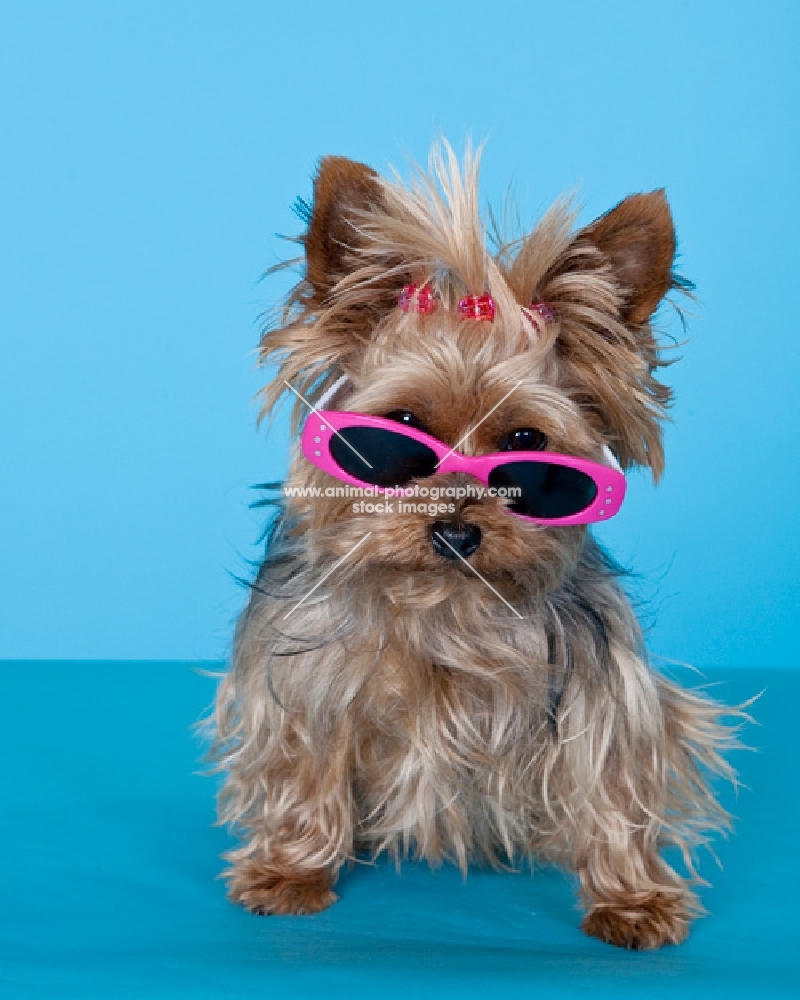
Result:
pixel 403 706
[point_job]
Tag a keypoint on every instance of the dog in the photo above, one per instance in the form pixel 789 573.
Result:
pixel 437 659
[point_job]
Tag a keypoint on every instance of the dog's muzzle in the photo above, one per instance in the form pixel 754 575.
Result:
pixel 452 539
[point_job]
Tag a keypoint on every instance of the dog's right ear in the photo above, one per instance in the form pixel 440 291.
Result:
pixel 327 320
pixel 343 191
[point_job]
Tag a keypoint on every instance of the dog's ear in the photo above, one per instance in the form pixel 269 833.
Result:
pixel 604 285
pixel 343 191
pixel 637 238
pixel 328 320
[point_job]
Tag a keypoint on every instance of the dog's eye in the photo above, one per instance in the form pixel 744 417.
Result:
pixel 405 417
pixel 524 439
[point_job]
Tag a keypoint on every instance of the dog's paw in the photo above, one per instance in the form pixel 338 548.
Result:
pixel 264 891
pixel 661 918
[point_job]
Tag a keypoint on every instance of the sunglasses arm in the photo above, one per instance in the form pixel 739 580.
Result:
pixel 331 391
pixel 611 459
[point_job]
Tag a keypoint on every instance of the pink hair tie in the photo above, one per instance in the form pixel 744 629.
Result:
pixel 477 307
pixel 540 314
pixel 420 300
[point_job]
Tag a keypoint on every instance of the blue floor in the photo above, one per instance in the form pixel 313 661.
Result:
pixel 110 863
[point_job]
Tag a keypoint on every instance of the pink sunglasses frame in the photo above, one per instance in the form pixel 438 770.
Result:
pixel 322 425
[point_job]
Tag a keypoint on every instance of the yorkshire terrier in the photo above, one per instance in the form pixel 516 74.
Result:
pixel 437 658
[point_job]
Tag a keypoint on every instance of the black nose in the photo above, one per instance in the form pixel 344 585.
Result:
pixel 452 540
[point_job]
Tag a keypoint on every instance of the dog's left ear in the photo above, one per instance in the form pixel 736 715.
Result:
pixel 637 238
pixel 604 287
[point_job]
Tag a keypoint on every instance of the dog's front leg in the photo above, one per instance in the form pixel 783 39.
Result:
pixel 629 781
pixel 269 886
pixel 298 835
pixel 634 899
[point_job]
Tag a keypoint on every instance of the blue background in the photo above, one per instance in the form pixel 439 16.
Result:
pixel 110 889
pixel 150 152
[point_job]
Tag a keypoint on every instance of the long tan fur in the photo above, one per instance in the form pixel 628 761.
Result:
pixel 404 706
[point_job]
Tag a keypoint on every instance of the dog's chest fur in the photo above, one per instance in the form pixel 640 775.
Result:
pixel 448 724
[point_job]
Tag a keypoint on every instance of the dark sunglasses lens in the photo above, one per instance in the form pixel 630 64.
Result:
pixel 381 457
pixel 546 490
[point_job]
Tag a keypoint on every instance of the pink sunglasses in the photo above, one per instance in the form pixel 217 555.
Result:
pixel 545 487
